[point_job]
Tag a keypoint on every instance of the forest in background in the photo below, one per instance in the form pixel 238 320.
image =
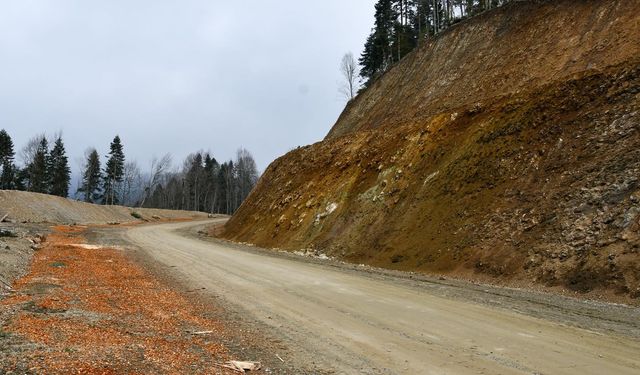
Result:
pixel 200 183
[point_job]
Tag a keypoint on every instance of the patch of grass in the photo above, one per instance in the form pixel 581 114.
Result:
pixel 136 215
pixel 33 307
pixel 57 264
pixel 4 334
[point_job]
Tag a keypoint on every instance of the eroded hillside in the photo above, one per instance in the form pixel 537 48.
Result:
pixel 506 51
pixel 513 156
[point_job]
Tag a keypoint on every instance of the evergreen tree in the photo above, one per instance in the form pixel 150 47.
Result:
pixel 223 188
pixel 22 179
pixel 59 171
pixel 378 54
pixel 114 172
pixel 405 36
pixel 211 168
pixel 38 170
pixel 194 180
pixel 421 22
pixel 91 178
pixel 7 177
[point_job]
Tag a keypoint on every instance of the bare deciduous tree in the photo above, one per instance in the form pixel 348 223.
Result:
pixel 350 72
pixel 158 168
pixel 131 183
pixel 28 152
pixel 202 184
pixel 247 174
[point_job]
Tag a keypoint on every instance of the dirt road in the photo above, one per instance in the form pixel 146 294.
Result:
pixel 350 323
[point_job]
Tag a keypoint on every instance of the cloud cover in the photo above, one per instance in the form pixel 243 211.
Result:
pixel 176 76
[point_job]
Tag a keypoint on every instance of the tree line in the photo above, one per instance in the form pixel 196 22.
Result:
pixel 400 25
pixel 45 171
pixel 201 184
pixel 205 185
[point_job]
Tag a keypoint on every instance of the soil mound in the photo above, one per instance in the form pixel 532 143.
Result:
pixel 41 208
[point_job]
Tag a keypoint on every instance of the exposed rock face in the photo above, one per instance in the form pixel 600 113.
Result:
pixel 508 149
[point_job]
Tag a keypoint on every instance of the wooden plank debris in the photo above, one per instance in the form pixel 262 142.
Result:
pixel 202 333
pixel 240 366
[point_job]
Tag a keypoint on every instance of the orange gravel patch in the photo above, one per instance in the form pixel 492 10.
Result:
pixel 96 312
pixel 69 228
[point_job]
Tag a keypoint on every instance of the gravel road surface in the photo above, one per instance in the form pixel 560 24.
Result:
pixel 348 322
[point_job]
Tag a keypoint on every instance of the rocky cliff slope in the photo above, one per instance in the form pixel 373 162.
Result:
pixel 506 150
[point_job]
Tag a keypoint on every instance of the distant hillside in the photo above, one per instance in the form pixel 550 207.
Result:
pixel 505 150
pixel 23 206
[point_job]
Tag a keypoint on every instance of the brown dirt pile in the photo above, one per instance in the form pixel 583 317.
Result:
pixel 536 183
pixel 93 311
pixel 42 208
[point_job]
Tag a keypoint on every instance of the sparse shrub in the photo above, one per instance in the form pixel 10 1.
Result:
pixel 4 334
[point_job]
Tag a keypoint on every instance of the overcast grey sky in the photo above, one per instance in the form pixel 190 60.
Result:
pixel 176 76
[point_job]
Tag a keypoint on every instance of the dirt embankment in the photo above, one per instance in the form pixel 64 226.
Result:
pixel 16 248
pixel 41 208
pixel 27 211
pixel 517 161
pixel 509 50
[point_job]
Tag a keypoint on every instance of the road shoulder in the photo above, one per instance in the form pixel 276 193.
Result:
pixel 598 316
pixel 91 309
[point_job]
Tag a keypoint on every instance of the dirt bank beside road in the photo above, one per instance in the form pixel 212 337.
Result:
pixel 28 215
pixel 42 208
pixel 351 322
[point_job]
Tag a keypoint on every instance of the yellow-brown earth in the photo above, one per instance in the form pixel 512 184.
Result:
pixel 506 150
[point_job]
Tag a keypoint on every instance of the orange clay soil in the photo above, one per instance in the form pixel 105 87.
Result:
pixel 94 311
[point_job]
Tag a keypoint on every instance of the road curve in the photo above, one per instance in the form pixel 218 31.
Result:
pixel 354 324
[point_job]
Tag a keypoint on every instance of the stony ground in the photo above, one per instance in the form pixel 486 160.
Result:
pixel 16 248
